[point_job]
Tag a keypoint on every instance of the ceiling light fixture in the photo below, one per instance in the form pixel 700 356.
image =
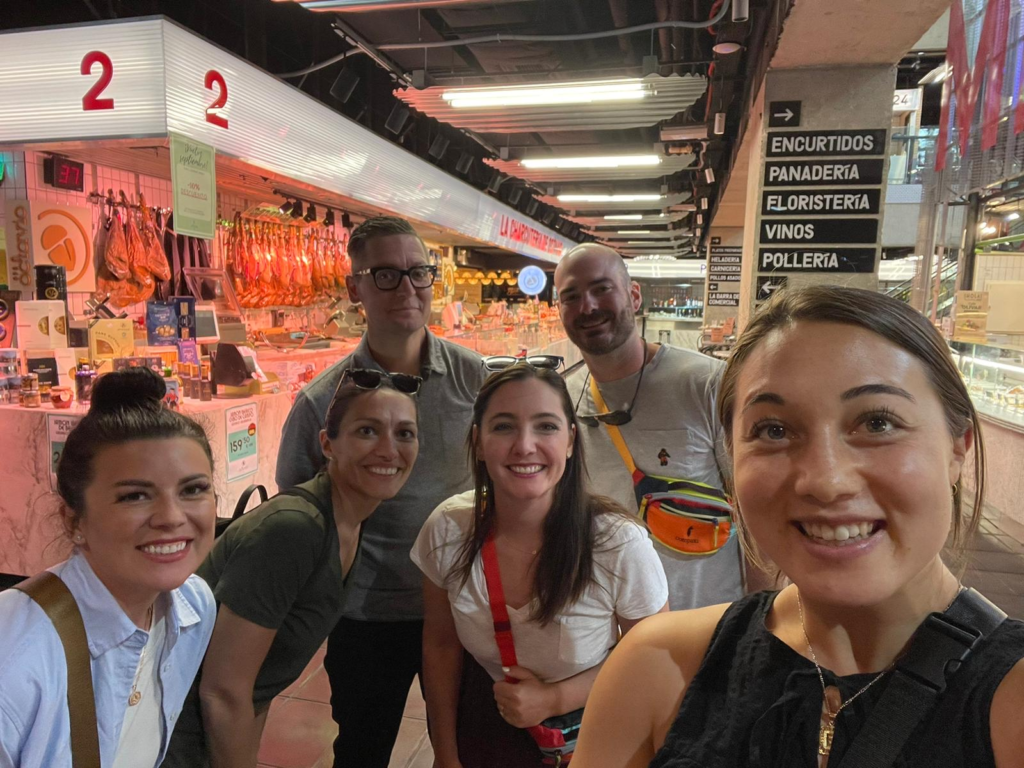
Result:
pixel 938 75
pixel 724 49
pixel 588 198
pixel 634 231
pixel 610 161
pixel 709 174
pixel 628 89
pixel 704 203
pixel 719 123
pixel 625 217
pixel 1013 216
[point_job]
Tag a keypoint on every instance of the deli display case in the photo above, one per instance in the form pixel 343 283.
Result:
pixel 995 379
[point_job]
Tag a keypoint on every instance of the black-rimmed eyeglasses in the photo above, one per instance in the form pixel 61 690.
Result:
pixel 389 278
pixel 501 362
pixel 368 378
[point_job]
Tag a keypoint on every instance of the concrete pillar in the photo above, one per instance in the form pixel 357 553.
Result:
pixel 816 189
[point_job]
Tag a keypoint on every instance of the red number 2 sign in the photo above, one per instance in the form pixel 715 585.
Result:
pixel 215 79
pixel 91 101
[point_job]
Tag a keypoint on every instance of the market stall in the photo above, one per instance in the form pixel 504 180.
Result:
pixel 166 204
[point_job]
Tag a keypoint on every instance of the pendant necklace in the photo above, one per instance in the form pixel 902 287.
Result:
pixel 828 728
pixel 136 695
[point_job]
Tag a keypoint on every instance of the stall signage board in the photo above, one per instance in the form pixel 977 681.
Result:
pixel 820 202
pixel 869 142
pixel 819 231
pixel 725 263
pixel 816 259
pixel 906 100
pixel 40 233
pixel 723 299
pixel 768 285
pixel 784 114
pixel 58 427
pixel 143 79
pixel 819 173
pixel 194 183
pixel 243 440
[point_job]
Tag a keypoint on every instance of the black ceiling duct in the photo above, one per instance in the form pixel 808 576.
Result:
pixel 396 120
pixel 438 147
pixel 345 85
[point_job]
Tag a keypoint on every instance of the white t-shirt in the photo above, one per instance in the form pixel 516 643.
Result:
pixel 142 730
pixel 628 581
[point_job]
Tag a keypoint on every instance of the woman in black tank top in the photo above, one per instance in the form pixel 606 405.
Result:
pixel 849 429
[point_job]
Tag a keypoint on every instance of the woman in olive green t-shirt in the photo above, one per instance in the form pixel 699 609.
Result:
pixel 279 573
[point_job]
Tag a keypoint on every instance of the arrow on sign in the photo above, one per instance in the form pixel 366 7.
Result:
pixel 787 115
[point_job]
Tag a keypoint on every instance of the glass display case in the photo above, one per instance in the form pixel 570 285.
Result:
pixel 995 378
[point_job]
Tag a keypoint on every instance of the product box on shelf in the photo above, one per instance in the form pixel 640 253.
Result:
pixel 111 338
pixel 42 363
pixel 41 324
pixel 185 309
pixel 161 323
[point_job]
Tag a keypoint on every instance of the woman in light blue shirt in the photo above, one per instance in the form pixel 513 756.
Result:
pixel 136 485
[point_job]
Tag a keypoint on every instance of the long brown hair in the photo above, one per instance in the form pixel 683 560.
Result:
pixel 565 565
pixel 894 321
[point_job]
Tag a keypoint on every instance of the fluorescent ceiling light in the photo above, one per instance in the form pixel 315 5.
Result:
pixel 724 49
pixel 1013 216
pixel 553 94
pixel 613 161
pixel 625 217
pixel 634 231
pixel 587 198
pixel 937 75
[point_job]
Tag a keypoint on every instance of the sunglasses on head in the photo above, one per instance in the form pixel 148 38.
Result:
pixel 501 362
pixel 367 378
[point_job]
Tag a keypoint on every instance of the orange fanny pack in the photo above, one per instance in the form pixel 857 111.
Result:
pixel 685 516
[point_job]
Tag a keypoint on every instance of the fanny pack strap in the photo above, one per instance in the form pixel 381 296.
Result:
pixel 616 435
pixel 499 610
pixel 53 596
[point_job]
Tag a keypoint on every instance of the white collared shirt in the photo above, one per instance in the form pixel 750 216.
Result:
pixel 34 719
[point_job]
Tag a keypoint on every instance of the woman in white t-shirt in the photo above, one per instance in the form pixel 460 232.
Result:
pixel 576 573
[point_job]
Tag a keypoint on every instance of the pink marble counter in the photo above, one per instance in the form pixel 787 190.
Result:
pixel 296 367
pixel 30 534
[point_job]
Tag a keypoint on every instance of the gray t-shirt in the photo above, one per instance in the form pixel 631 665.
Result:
pixel 674 433
pixel 385 584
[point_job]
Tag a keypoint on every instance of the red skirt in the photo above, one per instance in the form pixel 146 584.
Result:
pixel 485 739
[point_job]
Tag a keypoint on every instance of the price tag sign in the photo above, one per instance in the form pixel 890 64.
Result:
pixel 243 440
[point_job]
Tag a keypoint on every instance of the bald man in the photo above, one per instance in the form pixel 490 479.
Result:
pixel 671 431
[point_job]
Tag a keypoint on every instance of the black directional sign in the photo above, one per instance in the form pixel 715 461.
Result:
pixel 869 142
pixel 784 114
pixel 769 284
pixel 816 259
pixel 824 202
pixel 819 231
pixel 723 299
pixel 820 173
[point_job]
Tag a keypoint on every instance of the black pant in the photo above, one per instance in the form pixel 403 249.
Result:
pixel 371 665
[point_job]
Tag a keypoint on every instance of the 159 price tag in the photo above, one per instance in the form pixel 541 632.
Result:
pixel 242 440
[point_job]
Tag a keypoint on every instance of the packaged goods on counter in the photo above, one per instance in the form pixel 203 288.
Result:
pixel 109 339
pixel 41 324
pixel 161 323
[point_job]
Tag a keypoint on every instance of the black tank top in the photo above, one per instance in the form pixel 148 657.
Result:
pixel 756 703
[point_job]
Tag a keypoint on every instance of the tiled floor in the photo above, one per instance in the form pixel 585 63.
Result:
pixel 300 731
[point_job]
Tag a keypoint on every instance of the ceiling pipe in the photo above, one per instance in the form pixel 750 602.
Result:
pixel 620 18
pixel 357 6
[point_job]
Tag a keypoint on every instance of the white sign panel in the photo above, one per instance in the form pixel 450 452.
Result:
pixel 58 427
pixel 906 100
pixel 147 78
pixel 243 440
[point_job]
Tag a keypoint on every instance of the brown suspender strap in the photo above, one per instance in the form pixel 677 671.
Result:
pixel 56 600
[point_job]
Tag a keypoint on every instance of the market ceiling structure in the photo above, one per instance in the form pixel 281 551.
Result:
pixel 550 106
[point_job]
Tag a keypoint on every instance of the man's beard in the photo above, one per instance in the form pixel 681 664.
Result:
pixel 621 329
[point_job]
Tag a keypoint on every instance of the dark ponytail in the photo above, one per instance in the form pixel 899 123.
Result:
pixel 126 405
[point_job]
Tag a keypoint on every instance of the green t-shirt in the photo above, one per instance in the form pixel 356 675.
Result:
pixel 270 568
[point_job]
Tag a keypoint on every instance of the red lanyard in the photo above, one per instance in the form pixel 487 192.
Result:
pixel 499 611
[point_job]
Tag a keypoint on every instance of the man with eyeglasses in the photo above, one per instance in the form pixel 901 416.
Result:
pixel 375 652
pixel 660 398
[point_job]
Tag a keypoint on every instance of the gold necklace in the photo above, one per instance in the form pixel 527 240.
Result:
pixel 136 695
pixel 828 728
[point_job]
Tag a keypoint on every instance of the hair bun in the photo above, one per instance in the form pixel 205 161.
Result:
pixel 127 389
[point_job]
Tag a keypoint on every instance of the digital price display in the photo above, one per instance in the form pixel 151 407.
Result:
pixel 63 173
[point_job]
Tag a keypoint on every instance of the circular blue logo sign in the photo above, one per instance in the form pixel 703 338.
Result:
pixel 532 280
